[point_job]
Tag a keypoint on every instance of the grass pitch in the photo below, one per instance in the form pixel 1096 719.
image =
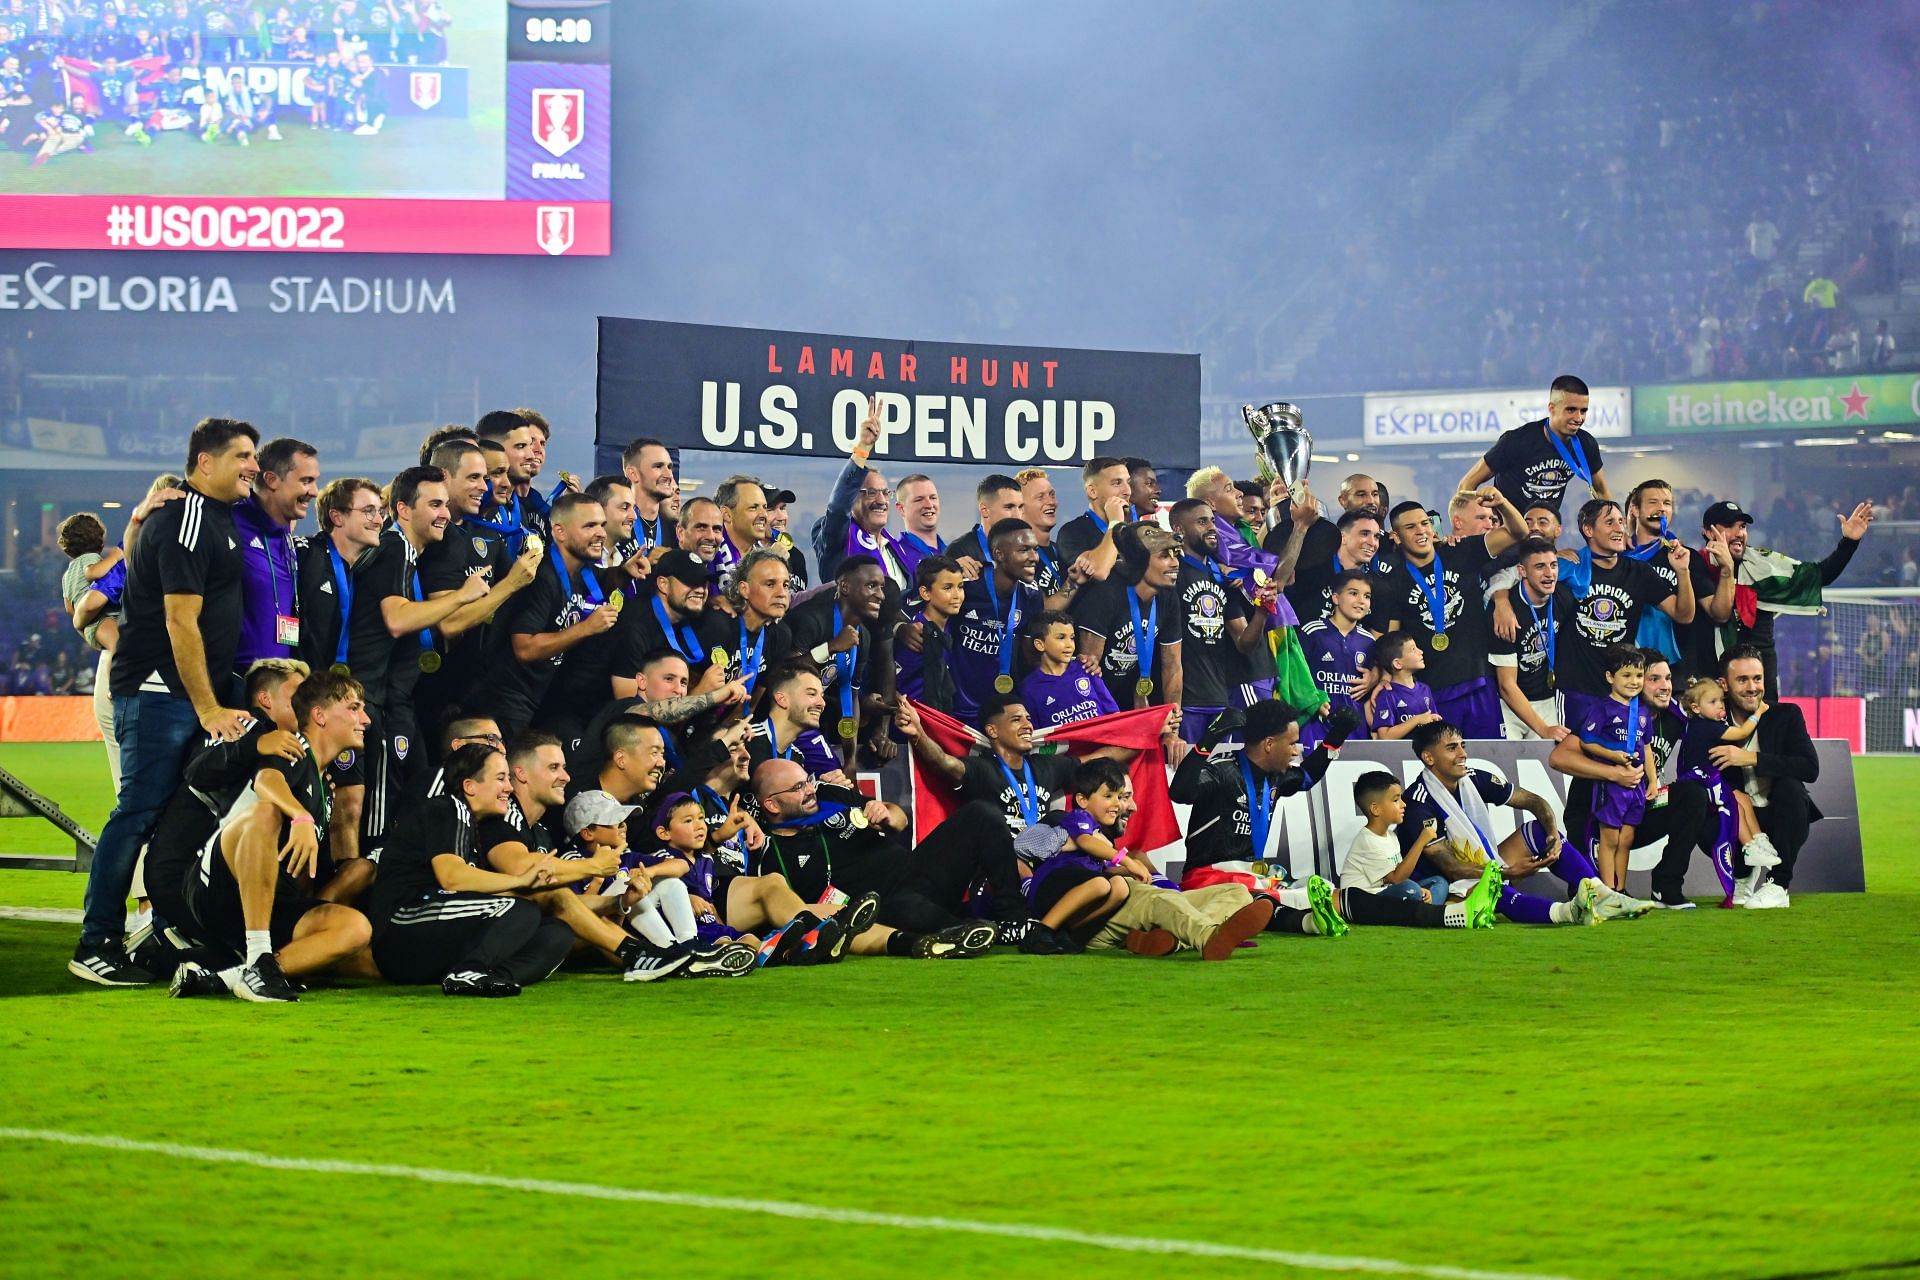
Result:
pixel 1719 1094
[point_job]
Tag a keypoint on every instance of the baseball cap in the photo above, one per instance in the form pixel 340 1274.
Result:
pixel 596 809
pixel 684 566
pixel 1725 513
pixel 775 497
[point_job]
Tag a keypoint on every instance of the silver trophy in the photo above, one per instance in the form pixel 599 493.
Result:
pixel 1285 450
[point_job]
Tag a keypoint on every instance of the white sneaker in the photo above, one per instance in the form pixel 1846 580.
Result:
pixel 1614 905
pixel 1742 893
pixel 1769 897
pixel 1585 901
pixel 273 133
pixel 1759 852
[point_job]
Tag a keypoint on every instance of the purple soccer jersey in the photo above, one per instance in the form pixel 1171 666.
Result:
pixel 1397 704
pixel 1062 699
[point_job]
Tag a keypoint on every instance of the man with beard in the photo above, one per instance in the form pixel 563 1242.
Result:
pixel 1130 625
pixel 745 501
pixel 1537 461
pixel 794 700
pixel 918 499
pixel 855 521
pixel 1216 488
pixel 1224 659
pixel 1433 593
pixel 660 697
pixel 754 638
pixel 471 548
pixel 1356 549
pixel 1609 603
pixel 624 563
pixel 270 609
pixel 565 606
pixel 1358 492
pixel 1042 512
pixel 649 469
pixel 836 629
pixel 669 617
pixel 390 641
pixel 1774 767
pixel 1765 583
pixel 517 515
pixel 849 847
pixel 996 498
pixel 1650 510
pixel 986 631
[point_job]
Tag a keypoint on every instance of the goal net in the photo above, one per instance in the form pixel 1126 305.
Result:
pixel 1866 645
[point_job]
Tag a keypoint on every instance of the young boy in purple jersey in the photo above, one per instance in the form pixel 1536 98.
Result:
pixel 1340 653
pixel 1619 730
pixel 1078 888
pixel 921 673
pixel 1059 690
pixel 680 825
pixel 1401 704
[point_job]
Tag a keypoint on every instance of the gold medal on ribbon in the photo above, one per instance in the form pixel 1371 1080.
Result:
pixel 616 602
pixel 1143 687
pixel 534 544
pixel 718 657
pixel 1262 869
pixel 1003 684
pixel 429 661
pixel 848 727
pixel 858 817
pixel 1440 642
pixel 341 669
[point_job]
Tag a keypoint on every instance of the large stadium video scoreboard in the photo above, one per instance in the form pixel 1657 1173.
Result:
pixel 476 129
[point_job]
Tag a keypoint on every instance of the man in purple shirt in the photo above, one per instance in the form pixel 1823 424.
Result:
pixel 270 609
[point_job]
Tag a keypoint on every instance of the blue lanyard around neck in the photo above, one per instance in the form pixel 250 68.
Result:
pixel 1144 636
pixel 1025 790
pixel 845 663
pixel 750 658
pixel 589 582
pixel 1575 462
pixel 1259 804
pixel 681 638
pixel 343 584
pixel 1208 567
pixel 1434 589
pixel 1550 626
pixel 1653 548
pixel 1008 622
pixel 656 534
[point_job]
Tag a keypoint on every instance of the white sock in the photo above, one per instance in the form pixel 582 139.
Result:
pixel 1296 898
pixel 646 921
pixel 259 943
pixel 1456 915
pixel 1561 913
pixel 670 896
pixel 1310 926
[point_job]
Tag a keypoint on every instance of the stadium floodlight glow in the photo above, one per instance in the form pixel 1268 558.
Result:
pixel 1353 457
pixel 1825 442
pixel 1897 437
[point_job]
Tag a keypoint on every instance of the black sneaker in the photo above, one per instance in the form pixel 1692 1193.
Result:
pixel 1011 933
pixel 1042 941
pixel 472 982
pixel 151 951
pixel 779 946
pixel 1673 902
pixel 108 965
pixel 728 960
pixel 961 942
pixel 189 979
pixel 653 964
pixel 823 943
pixel 859 917
pixel 261 982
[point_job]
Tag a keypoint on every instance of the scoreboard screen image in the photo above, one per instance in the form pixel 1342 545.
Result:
pixel 350 126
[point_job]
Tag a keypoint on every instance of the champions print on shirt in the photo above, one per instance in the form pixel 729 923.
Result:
pixel 1603 614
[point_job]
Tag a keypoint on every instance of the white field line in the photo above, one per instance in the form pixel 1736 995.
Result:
pixel 771 1208
pixel 54 915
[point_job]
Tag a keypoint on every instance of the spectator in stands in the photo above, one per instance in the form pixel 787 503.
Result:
pixel 1880 355
pixel 1821 292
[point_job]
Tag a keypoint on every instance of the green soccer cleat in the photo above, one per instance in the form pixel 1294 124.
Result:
pixel 1485 898
pixel 1611 904
pixel 1586 900
pixel 1320 898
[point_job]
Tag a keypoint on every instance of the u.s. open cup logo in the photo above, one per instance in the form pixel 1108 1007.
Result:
pixel 554 229
pixel 423 87
pixel 559 119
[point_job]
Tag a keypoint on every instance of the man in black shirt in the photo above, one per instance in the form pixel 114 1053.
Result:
pixel 240 897
pixel 1719 632
pixel 648 467
pixel 669 616
pixel 1108 490
pixel 1434 593
pixel 469 549
pixel 754 637
pixel 1137 609
pixel 1353 542
pixel 566 605
pixel 996 498
pixel 1618 591
pixel 1537 461
pixel 850 848
pixel 837 630
pixel 390 640
pixel 1523 667
pixel 1224 659
pixel 1021 786
pixel 514 435
pixel 171 673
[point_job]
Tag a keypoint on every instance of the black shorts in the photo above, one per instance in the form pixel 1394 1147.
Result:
pixel 1059 883
pixel 213 902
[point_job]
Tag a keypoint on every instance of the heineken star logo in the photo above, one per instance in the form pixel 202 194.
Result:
pixel 1856 402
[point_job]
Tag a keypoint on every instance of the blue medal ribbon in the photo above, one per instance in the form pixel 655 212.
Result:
pixel 1434 589
pixel 508 527
pixel 1007 623
pixel 1633 728
pixel 680 639
pixel 656 535
pixel 1575 462
pixel 1259 804
pixel 1025 790
pixel 426 634
pixel 751 659
pixel 1143 636
pixel 914 540
pixel 589 583
pixel 845 663
pixel 1550 626
pixel 1653 548
pixel 1212 570
pixel 343 584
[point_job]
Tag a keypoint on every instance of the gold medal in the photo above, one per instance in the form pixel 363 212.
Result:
pixel 1003 684
pixel 718 657
pixel 616 602
pixel 1262 869
pixel 858 817
pixel 848 727
pixel 534 544
pixel 1143 687
pixel 341 669
pixel 429 661
pixel 1551 682
pixel 1440 642
pixel 1260 578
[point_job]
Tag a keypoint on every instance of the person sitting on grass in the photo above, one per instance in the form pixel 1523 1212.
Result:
pixel 1401 703
pixel 1076 889
pixel 238 894
pixel 1618 729
pixel 1059 690
pixel 1375 861
pixel 681 858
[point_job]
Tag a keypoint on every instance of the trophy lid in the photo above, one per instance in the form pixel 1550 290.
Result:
pixel 1277 414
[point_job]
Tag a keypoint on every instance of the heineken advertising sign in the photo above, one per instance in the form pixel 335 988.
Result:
pixel 1793 404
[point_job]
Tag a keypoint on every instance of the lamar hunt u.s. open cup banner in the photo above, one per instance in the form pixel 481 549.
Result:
pixel 779 394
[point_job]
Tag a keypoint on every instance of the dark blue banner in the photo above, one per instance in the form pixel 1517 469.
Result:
pixel 779 394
